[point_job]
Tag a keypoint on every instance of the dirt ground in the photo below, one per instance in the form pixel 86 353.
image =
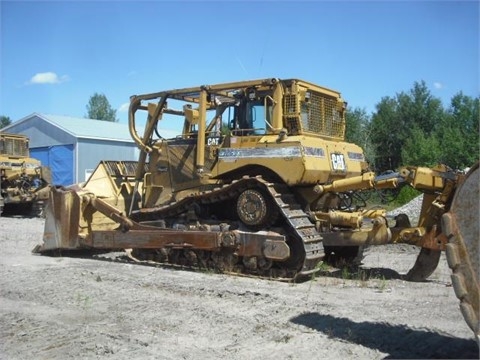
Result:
pixel 72 308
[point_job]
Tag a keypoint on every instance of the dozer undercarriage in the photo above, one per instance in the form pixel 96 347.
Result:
pixel 260 182
pixel 192 232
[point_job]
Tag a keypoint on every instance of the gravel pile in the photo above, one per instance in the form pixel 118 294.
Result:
pixel 411 209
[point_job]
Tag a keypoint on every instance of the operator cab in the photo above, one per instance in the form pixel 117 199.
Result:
pixel 250 115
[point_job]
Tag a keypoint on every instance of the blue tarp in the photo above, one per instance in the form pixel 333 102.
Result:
pixel 60 160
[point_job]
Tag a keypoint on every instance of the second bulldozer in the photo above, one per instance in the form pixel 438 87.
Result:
pixel 24 182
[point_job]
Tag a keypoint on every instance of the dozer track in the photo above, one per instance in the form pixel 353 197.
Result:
pixel 461 226
pixel 303 239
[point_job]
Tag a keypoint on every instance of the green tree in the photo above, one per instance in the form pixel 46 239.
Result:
pixel 358 131
pixel 385 129
pixel 419 109
pixel 459 132
pixel 405 124
pixel 225 130
pixel 353 127
pixel 420 149
pixel 99 108
pixel 4 121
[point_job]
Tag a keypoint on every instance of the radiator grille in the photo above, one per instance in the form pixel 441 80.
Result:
pixel 323 116
pixel 14 147
pixel 122 168
pixel 290 105
pixel 317 114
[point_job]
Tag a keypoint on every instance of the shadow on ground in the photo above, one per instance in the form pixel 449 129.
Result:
pixel 360 273
pixel 399 342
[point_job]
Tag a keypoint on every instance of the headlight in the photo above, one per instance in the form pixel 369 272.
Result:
pixel 31 166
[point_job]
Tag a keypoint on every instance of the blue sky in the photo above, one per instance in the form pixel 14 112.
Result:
pixel 55 55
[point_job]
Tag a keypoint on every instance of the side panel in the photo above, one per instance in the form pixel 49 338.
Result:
pixel 287 162
pixel 329 160
pixel 298 160
pixel 181 159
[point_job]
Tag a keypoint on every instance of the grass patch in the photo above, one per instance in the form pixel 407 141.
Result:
pixel 406 194
pixel 388 199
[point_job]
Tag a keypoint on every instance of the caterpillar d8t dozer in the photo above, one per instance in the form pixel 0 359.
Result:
pixel 260 182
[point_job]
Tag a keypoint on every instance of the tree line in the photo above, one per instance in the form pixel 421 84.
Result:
pixel 414 128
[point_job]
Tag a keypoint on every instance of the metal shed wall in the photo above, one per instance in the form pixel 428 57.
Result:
pixel 89 152
pixel 42 133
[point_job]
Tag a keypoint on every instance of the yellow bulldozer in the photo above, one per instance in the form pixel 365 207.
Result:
pixel 261 182
pixel 24 182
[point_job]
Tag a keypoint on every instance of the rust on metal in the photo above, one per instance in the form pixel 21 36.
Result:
pixel 62 220
pixel 153 239
pixel 434 240
pixel 268 244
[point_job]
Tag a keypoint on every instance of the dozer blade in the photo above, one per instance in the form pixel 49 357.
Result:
pixel 62 216
pixel 461 226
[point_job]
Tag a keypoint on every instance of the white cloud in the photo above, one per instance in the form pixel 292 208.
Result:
pixel 48 78
pixel 124 107
pixel 438 85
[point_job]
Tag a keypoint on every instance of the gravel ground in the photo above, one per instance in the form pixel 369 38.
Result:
pixel 72 308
